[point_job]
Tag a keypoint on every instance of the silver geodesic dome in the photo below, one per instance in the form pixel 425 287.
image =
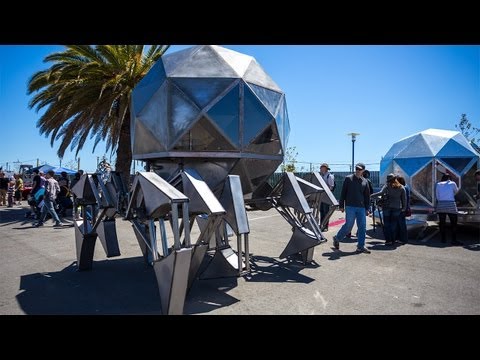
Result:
pixel 424 157
pixel 213 109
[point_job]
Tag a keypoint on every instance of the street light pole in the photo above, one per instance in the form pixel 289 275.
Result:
pixel 354 137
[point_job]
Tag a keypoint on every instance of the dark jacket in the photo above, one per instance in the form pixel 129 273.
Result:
pixel 355 192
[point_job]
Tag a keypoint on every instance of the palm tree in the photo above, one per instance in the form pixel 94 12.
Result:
pixel 86 93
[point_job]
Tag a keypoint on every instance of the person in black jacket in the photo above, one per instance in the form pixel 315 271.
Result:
pixel 355 201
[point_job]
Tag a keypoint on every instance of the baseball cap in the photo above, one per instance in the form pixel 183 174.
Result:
pixel 360 166
pixel 325 165
pixel 390 177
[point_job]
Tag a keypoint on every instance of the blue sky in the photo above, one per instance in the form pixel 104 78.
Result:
pixel 385 93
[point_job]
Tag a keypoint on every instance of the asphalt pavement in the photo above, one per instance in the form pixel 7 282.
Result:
pixel 39 276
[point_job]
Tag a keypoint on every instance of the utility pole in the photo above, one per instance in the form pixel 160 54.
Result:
pixel 354 137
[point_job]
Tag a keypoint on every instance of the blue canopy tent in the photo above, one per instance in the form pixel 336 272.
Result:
pixel 58 170
pixel 44 168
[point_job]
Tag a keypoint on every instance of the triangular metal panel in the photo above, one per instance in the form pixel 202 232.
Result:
pixel 140 233
pixel 412 165
pixel 398 147
pixel 85 247
pixel 457 163
pixel 267 142
pixel 202 200
pixel 204 62
pixel 225 113
pixel 203 136
pixel 386 167
pixel 422 183
pixel 172 280
pixel 83 189
pixel 436 143
pixel 256 75
pixel 158 194
pixel 259 170
pixel 256 116
pixel 183 113
pixel 198 255
pixel 453 148
pixel 238 62
pixel 240 170
pixel 299 242
pixel 307 187
pixel 232 200
pixel 176 59
pixel 462 141
pixel 180 280
pixel 223 264
pixel 107 233
pixel 202 91
pixel 164 272
pixel 286 125
pixel 151 82
pixel 269 98
pixel 213 172
pixel 154 117
pixel 144 141
pixel 292 195
pixel 326 195
pixel 280 120
pixel 417 148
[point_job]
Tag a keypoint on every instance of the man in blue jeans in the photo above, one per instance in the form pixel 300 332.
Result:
pixel 355 201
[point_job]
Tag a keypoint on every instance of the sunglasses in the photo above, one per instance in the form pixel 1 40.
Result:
pixel 358 169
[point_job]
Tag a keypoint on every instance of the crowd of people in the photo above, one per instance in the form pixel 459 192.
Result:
pixel 357 196
pixel 50 195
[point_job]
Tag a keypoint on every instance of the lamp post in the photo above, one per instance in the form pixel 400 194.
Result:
pixel 354 137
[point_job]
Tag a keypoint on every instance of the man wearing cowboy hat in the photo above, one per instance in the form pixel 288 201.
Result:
pixel 330 181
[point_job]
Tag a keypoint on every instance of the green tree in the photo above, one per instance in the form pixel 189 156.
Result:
pixel 470 132
pixel 86 93
pixel 289 159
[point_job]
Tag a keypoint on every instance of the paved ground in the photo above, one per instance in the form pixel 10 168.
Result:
pixel 38 275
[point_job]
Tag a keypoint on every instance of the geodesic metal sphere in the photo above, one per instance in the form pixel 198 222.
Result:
pixel 212 109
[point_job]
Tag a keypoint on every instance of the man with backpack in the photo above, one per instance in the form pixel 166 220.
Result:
pixel 330 181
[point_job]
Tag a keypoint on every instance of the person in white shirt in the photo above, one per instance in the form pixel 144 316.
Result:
pixel 330 181
pixel 445 191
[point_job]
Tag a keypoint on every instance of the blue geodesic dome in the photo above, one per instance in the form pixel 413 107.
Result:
pixel 423 157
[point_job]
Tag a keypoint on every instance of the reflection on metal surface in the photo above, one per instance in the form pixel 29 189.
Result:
pixel 209 102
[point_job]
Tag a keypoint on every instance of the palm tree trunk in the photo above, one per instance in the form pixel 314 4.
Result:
pixel 124 151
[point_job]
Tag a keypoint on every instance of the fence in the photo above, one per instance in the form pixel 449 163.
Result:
pixel 339 178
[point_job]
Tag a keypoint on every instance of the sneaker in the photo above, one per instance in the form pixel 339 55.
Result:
pixel 58 224
pixel 336 243
pixel 38 224
pixel 363 250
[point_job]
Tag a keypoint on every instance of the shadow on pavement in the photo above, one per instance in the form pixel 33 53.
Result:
pixel 268 269
pixel 123 286
pixel 208 295
pixel 16 216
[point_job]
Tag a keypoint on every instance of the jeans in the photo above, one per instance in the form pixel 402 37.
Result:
pixel 48 206
pixel 324 209
pixel 390 221
pixel 402 228
pixel 352 213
